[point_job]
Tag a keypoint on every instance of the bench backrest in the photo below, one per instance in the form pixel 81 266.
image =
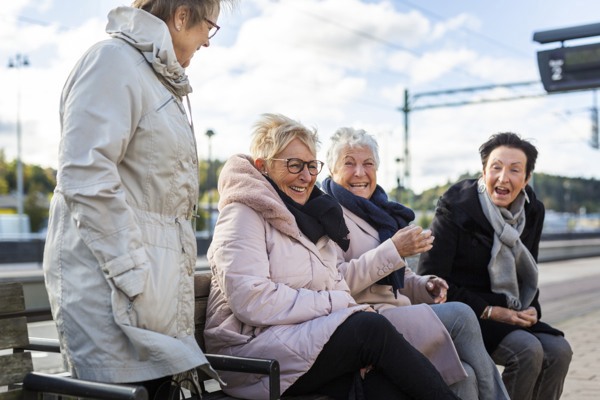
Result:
pixel 13 334
pixel 201 291
pixel 262 366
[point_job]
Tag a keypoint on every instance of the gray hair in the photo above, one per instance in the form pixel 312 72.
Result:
pixel 353 138
pixel 165 9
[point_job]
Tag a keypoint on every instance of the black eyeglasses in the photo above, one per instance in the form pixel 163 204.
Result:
pixel 296 165
pixel 214 28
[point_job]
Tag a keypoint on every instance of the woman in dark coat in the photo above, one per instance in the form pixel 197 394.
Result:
pixel 487 239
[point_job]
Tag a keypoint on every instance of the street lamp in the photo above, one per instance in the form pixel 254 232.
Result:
pixel 209 134
pixel 19 61
pixel 399 186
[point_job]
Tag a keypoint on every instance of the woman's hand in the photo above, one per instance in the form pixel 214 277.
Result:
pixel 529 314
pixel 525 318
pixel 365 371
pixel 412 240
pixel 438 289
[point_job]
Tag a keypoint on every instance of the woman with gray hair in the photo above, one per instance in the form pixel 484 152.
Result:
pixel 276 291
pixel 381 238
pixel 121 250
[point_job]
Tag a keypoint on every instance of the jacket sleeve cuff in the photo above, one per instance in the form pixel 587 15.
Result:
pixel 422 295
pixel 340 299
pixel 128 272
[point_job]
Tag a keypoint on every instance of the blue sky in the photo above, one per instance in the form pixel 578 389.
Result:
pixel 332 63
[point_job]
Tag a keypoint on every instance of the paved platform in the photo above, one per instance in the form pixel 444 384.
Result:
pixel 583 380
pixel 570 299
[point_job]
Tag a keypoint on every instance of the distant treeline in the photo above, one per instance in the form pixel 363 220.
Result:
pixel 558 193
pixel 561 194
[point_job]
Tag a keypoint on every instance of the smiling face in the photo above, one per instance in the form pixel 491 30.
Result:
pixel 356 171
pixel 297 186
pixel 505 175
pixel 189 39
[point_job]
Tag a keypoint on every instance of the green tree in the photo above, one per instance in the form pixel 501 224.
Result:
pixel 4 188
pixel 39 179
pixel 36 207
pixel 208 195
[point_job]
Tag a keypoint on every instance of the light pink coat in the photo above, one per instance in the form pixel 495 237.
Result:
pixel 367 261
pixel 274 293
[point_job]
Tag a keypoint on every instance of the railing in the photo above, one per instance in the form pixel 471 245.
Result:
pixel 32 250
pixel 563 249
pixel 575 244
pixel 552 248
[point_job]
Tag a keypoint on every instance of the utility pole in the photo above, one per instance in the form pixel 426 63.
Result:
pixel 209 180
pixel 594 139
pixel 399 185
pixel 409 100
pixel 406 185
pixel 19 61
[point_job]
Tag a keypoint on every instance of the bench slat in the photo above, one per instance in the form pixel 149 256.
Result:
pixel 14 367
pixel 15 394
pixel 200 320
pixel 13 332
pixel 12 299
pixel 202 283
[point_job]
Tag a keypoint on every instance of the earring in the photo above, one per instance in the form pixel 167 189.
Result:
pixel 178 27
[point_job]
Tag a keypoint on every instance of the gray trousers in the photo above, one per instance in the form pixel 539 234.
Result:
pixel 535 365
pixel 484 381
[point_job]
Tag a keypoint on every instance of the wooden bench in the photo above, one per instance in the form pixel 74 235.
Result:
pixel 224 363
pixel 270 367
pixel 210 388
pixel 17 381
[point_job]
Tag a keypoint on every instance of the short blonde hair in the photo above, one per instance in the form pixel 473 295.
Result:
pixel 273 132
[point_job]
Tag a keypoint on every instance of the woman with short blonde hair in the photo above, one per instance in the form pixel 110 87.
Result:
pixel 276 291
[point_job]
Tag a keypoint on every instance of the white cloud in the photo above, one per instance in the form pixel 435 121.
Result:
pixel 464 20
pixel 328 63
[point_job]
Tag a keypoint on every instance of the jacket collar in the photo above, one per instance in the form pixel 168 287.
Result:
pixel 362 224
pixel 241 182
pixel 461 204
pixel 150 35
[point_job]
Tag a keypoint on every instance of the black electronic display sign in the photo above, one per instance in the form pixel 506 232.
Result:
pixel 570 68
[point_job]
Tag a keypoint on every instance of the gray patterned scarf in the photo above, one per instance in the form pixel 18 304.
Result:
pixel 513 270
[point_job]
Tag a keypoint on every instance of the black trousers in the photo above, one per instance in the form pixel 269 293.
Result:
pixel 369 339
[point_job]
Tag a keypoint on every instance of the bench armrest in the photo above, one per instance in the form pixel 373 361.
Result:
pixel 37 382
pixel 249 365
pixel 217 361
pixel 40 344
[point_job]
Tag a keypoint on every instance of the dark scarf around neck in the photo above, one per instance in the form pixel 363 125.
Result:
pixel 387 217
pixel 321 215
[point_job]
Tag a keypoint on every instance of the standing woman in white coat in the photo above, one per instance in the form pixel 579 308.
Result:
pixel 121 249
pixel 276 291
pixel 380 240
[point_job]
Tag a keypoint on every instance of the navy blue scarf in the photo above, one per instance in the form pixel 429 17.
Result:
pixel 387 217
pixel 321 215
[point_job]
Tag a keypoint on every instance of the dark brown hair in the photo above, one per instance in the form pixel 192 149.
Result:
pixel 511 140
